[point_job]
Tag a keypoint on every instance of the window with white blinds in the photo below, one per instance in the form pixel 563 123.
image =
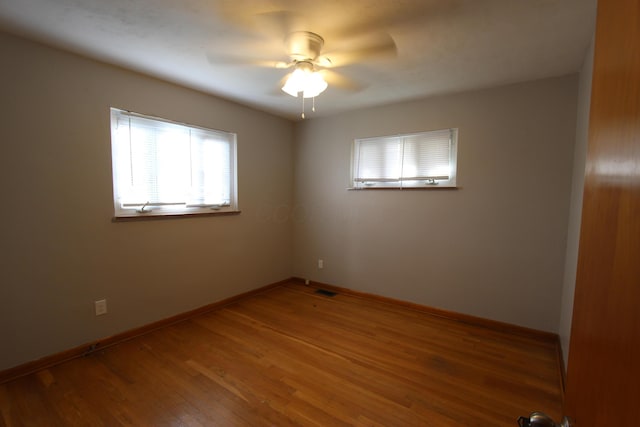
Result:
pixel 424 159
pixel 165 168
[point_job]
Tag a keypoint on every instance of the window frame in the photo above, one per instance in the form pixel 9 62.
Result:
pixel 401 182
pixel 158 210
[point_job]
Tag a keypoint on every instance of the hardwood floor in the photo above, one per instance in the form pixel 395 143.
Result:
pixel 293 357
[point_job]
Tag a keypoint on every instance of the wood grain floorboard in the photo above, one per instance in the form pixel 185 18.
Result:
pixel 291 357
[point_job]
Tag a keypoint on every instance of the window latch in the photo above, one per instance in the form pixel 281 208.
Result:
pixel 142 211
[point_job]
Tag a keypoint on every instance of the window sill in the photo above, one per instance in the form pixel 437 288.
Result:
pixel 148 217
pixel 431 187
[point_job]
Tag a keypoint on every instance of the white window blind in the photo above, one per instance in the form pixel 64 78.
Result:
pixel 166 168
pixel 412 160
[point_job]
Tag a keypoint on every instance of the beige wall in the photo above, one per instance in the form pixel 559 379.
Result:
pixel 575 210
pixel 494 248
pixel 60 250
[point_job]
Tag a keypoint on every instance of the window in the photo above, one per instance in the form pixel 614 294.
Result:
pixel 166 168
pixel 417 160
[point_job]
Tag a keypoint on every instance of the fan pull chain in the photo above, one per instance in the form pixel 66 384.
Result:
pixel 313 106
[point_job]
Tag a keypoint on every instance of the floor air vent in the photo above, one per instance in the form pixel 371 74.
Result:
pixel 326 293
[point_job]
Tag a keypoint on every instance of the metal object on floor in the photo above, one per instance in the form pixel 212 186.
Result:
pixel 540 419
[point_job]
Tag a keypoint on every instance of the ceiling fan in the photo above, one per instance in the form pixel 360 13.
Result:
pixel 306 79
pixel 312 70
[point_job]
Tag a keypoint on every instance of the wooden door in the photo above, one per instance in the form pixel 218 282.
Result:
pixel 603 380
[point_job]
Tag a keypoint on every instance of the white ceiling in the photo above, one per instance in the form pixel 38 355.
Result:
pixel 215 45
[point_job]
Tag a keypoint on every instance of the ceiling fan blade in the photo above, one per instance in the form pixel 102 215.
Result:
pixel 341 81
pixel 232 60
pixel 280 23
pixel 364 48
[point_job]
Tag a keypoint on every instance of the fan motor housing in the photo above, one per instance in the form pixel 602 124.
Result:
pixel 304 45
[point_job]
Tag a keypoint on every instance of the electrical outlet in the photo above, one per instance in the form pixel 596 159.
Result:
pixel 320 264
pixel 101 307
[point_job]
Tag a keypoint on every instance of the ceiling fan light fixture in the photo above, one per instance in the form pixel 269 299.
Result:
pixel 315 85
pixel 304 79
pixel 295 83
